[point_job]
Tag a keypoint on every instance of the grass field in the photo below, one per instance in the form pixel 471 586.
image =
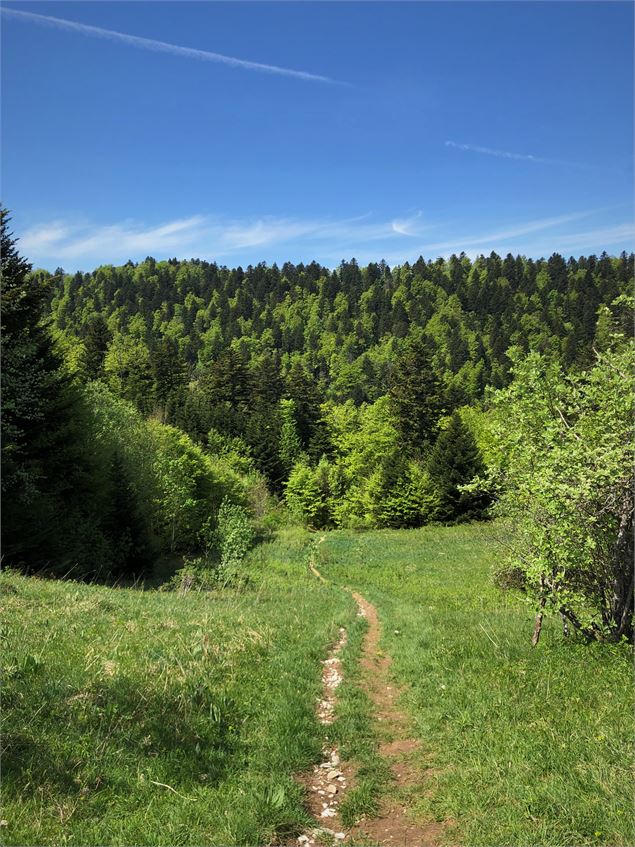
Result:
pixel 145 717
pixel 110 696
pixel 529 746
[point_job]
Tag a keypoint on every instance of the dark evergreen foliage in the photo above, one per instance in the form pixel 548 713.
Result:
pixel 131 543
pixel 454 462
pixel 46 473
pixel 416 395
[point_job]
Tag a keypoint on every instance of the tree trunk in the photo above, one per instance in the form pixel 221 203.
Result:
pixel 565 624
pixel 539 616
pixel 622 600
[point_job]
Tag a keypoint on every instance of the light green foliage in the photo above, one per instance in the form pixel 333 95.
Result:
pixel 401 496
pixel 184 486
pixel 179 486
pixel 565 467
pixel 366 442
pixel 308 494
pixel 290 444
pixel 235 535
pixel 127 369
pixel 368 481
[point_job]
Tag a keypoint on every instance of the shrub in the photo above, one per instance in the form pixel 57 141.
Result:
pixel 308 494
pixel 566 475
pixel 235 534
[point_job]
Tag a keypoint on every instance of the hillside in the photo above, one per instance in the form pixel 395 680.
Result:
pixel 147 717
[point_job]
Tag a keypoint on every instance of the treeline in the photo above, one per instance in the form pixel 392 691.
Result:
pixel 154 326
pixel 139 398
pixel 217 351
pixel 91 488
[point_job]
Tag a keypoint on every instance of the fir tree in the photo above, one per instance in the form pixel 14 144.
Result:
pixel 45 472
pixel 302 388
pixel 96 341
pixel 455 461
pixel 415 395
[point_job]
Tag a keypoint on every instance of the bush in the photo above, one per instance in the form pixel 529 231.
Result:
pixel 308 494
pixel 565 470
pixel 235 534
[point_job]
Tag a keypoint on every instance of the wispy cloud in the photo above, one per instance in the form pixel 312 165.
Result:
pixel 500 154
pixel 408 226
pixel 601 238
pixel 464 242
pixel 163 46
pixel 522 157
pixel 73 245
pixel 198 235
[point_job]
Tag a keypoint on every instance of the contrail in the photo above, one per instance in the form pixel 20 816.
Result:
pixel 501 154
pixel 164 46
pixel 523 157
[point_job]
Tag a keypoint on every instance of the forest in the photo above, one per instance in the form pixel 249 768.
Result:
pixel 454 438
pixel 140 399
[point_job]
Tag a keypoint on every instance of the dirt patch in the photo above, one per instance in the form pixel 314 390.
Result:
pixel 394 823
pixel 328 782
pixel 399 747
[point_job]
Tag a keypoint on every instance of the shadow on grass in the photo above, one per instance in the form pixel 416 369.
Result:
pixel 98 736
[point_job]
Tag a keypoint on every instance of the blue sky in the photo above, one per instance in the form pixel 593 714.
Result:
pixel 329 130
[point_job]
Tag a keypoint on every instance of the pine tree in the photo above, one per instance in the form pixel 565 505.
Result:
pixel 455 460
pixel 415 395
pixel 96 340
pixel 45 472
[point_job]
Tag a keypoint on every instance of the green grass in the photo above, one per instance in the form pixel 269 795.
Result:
pixel 108 692
pixel 532 746
pixel 355 734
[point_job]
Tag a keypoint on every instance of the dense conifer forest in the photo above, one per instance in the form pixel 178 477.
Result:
pixel 142 402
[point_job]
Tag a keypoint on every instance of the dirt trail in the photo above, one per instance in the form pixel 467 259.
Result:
pixel 393 825
pixel 329 780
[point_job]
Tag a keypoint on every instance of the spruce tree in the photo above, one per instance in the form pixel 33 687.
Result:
pixel 416 396
pixel 96 341
pixel 303 389
pixel 45 469
pixel 455 461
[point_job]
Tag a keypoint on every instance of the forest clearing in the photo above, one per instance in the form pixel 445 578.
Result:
pixel 510 744
pixel 317 425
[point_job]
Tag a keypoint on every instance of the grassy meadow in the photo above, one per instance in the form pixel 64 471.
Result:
pixel 112 695
pixel 150 717
pixel 527 745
